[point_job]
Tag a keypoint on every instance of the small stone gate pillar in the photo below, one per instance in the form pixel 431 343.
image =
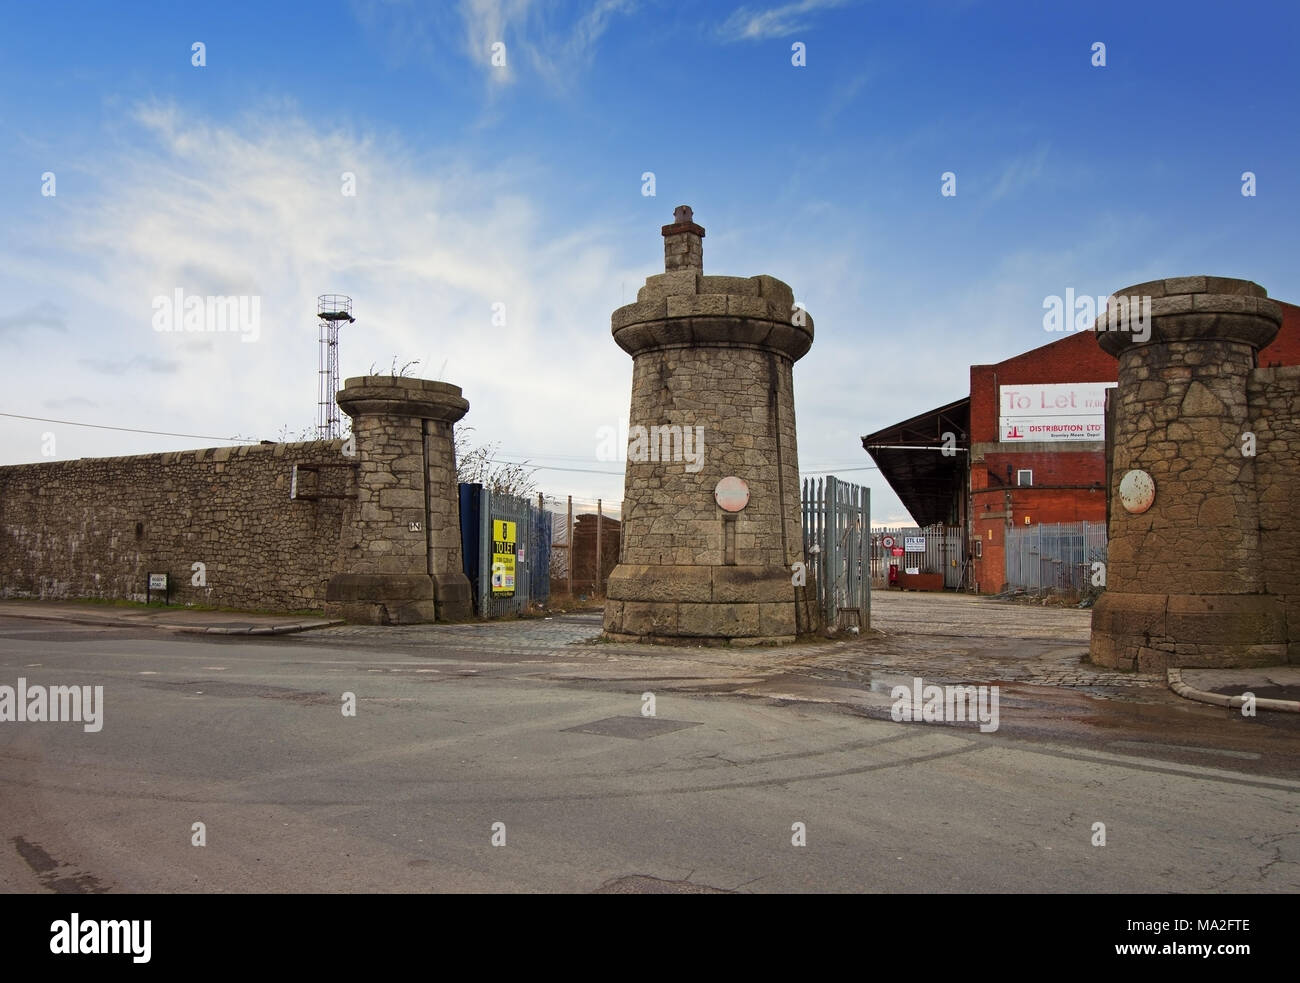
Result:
pixel 712 399
pixel 1184 583
pixel 402 554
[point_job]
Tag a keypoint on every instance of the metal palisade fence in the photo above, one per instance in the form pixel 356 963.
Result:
pixel 586 535
pixel 507 547
pixel 943 550
pixel 1055 556
pixel 836 541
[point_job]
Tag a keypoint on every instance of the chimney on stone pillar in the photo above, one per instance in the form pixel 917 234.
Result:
pixel 683 242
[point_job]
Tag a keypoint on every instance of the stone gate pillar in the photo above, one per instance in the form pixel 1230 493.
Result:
pixel 1184 585
pixel 712 398
pixel 402 554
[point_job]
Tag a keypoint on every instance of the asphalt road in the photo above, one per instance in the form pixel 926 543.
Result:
pixel 460 728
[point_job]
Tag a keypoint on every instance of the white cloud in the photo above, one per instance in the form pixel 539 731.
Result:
pixel 1019 173
pixel 561 54
pixel 424 249
pixel 553 45
pixel 485 23
pixel 749 24
pixel 844 93
pixel 44 315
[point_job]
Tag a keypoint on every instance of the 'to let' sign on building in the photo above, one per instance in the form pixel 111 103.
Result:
pixel 1053 412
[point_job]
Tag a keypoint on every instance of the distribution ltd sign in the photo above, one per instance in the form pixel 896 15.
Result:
pixel 1060 411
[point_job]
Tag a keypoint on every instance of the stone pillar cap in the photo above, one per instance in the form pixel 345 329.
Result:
pixel 685 308
pixel 676 227
pixel 683 221
pixel 1189 308
pixel 402 396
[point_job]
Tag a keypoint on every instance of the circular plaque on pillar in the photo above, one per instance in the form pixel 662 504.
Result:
pixel 731 494
pixel 1136 492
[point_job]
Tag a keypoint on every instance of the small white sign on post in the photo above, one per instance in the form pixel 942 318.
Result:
pixel 157 581
pixel 914 544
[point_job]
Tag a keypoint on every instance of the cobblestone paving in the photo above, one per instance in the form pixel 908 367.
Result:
pixel 967 615
pixel 963 638
pixel 1055 666
pixel 524 635
pixel 943 638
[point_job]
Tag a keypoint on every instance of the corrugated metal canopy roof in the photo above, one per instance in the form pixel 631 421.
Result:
pixel 908 454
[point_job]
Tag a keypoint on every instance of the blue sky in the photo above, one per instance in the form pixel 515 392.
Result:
pixel 478 184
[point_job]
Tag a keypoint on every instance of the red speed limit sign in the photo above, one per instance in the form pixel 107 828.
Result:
pixel 887 542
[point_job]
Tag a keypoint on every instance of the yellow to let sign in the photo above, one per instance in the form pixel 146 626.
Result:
pixel 503 556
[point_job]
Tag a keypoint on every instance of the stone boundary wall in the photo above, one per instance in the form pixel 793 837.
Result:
pixel 96 527
pixel 1274 398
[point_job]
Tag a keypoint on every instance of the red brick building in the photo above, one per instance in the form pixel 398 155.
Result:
pixel 970 464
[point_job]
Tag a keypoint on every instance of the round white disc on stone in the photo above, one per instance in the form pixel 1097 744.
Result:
pixel 731 494
pixel 1136 492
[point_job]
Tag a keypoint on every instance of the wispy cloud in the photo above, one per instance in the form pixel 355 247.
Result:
pixel 844 93
pixel 486 23
pixel 128 366
pixel 751 24
pixel 1019 173
pixel 255 207
pixel 560 55
pixel 47 316
pixel 70 403
pixel 507 39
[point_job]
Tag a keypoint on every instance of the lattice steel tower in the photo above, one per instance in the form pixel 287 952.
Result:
pixel 330 309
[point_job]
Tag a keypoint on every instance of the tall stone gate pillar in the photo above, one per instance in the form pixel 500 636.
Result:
pixel 1184 584
pixel 402 554
pixel 711 521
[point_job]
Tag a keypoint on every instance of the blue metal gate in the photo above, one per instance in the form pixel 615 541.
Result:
pixel 479 509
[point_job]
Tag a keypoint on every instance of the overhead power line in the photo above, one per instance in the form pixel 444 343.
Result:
pixel 871 467
pixel 249 440
pixel 103 426
pixel 543 467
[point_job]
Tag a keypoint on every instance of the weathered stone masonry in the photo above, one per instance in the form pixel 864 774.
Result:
pixel 372 536
pixel 1209 574
pixel 96 527
pixel 402 553
pixel 715 352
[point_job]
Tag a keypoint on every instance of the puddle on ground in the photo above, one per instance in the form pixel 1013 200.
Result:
pixel 1261 692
